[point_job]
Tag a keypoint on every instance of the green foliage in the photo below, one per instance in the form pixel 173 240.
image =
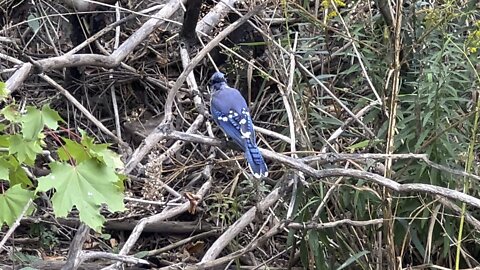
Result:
pixel 48 238
pixel 87 186
pixel 435 111
pixel 12 203
pixel 84 177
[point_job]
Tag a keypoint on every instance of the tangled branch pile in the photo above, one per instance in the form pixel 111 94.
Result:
pixel 392 86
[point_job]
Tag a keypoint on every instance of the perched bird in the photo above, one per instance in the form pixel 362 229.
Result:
pixel 230 111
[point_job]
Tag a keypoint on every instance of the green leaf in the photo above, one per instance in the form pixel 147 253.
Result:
pixel 10 113
pixel 33 22
pixel 4 140
pixel 3 91
pixel 72 149
pixel 101 152
pixel 10 170
pixel 12 203
pixel 353 259
pixel 363 144
pixel 34 121
pixel 25 150
pixel 51 117
pixel 19 176
pixel 86 187
pixel 141 254
pixel 4 169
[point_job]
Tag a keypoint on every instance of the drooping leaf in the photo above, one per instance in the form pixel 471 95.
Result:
pixel 12 203
pixel 86 186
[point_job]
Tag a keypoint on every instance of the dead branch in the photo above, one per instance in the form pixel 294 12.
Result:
pixel 164 127
pixel 74 258
pixel 75 60
pixel 380 180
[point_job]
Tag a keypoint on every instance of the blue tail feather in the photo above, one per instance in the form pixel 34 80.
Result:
pixel 255 161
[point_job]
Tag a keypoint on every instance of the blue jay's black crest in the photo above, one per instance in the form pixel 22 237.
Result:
pixel 230 111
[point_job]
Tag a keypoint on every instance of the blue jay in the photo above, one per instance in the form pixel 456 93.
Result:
pixel 230 111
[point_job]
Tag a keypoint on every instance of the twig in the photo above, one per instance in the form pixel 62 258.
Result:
pixel 291 124
pixel 326 225
pixel 324 173
pixel 243 221
pixel 212 18
pixel 182 242
pixel 163 129
pixel 77 104
pixel 90 255
pixel 251 246
pixel 72 60
pixel 347 123
pixel 272 133
pixel 194 62
pixel 301 66
pixel 359 57
pixel 166 214
pixel 112 89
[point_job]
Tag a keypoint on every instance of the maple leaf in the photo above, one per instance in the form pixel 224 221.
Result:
pixel 12 203
pixel 34 121
pixel 101 152
pixel 25 150
pixel 72 149
pixel 88 149
pixel 86 186
pixel 11 170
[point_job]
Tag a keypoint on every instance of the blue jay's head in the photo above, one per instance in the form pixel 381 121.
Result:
pixel 218 78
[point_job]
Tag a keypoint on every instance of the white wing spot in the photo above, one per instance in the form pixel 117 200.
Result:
pixel 220 118
pixel 242 122
pixel 235 114
pixel 246 135
pixel 230 115
pixel 225 119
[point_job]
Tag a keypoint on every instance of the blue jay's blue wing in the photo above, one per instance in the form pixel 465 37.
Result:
pixel 230 112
